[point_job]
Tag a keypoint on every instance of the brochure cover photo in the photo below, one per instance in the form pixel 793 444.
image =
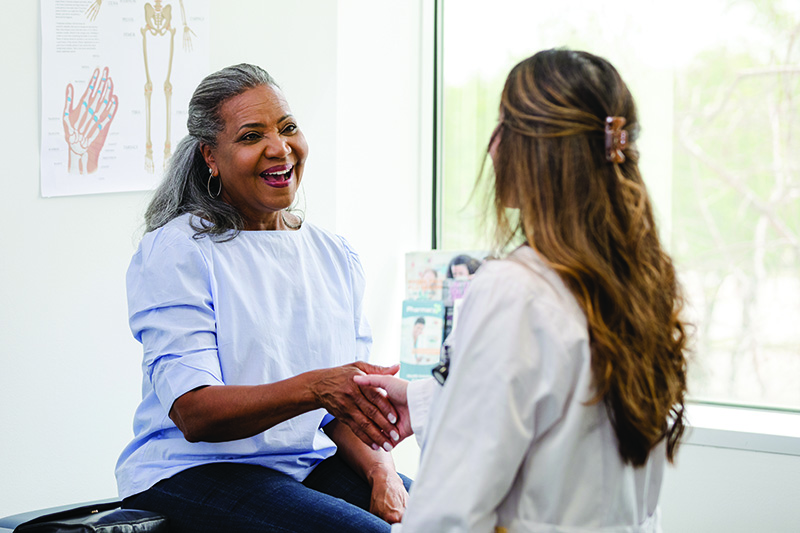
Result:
pixel 421 340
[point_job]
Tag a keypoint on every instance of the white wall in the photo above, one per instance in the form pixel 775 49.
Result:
pixel 383 185
pixel 67 359
pixel 713 489
pixel 384 171
pixel 355 74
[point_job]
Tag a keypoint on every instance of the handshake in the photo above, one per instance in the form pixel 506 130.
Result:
pixel 370 400
pixel 394 390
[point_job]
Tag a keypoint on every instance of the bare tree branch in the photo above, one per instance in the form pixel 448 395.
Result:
pixel 731 179
pixel 715 109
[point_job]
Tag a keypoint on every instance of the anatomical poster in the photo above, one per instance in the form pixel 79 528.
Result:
pixel 117 76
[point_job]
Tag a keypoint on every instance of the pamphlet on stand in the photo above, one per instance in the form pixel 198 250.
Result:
pixel 436 283
pixel 423 327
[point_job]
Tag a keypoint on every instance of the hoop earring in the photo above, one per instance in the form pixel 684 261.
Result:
pixel 293 210
pixel 289 224
pixel 208 184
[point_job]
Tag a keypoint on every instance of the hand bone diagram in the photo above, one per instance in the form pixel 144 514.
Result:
pixel 87 121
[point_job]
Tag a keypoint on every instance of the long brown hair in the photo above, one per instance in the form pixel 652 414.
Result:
pixel 592 221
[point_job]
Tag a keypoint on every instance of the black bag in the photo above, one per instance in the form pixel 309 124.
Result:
pixel 98 518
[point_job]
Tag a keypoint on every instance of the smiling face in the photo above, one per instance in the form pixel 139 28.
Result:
pixel 259 156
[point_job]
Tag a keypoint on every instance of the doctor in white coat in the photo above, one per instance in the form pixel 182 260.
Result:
pixel 563 399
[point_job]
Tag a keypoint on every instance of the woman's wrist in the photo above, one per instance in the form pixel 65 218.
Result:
pixel 381 472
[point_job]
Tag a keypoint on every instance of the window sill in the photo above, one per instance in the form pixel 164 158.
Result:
pixel 741 428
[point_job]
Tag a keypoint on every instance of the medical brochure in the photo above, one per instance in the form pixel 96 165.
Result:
pixel 436 282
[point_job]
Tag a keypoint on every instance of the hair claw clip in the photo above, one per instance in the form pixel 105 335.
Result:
pixel 616 139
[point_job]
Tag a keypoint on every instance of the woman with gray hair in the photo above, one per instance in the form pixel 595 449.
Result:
pixel 252 329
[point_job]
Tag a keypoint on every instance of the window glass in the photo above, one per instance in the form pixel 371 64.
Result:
pixel 717 84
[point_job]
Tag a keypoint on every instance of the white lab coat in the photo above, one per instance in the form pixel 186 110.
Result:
pixel 509 441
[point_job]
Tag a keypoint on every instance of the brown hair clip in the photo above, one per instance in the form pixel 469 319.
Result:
pixel 616 139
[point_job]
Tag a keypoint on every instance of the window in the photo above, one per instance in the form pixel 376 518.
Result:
pixel 717 85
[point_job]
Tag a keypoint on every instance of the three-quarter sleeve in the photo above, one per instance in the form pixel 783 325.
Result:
pixel 171 312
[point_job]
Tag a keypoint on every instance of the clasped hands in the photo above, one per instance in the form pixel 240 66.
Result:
pixel 394 390
pixel 380 417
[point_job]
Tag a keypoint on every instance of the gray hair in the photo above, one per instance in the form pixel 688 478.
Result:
pixel 184 188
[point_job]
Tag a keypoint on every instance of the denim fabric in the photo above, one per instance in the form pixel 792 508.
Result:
pixel 239 498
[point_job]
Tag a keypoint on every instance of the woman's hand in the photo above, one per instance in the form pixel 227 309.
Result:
pixel 396 391
pixel 366 411
pixel 389 496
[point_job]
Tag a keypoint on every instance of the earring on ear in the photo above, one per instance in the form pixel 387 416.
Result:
pixel 208 184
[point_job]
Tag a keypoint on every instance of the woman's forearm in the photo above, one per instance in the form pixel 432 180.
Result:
pixel 221 413
pixel 366 461
pixel 388 496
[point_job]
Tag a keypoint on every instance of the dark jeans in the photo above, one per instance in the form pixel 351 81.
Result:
pixel 234 498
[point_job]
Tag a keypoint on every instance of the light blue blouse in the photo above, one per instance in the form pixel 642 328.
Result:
pixel 262 307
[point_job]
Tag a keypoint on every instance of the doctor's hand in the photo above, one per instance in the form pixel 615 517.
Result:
pixel 395 390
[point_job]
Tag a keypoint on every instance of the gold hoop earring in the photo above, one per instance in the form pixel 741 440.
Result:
pixel 208 184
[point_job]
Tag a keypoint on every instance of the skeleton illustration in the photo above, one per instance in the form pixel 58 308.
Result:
pixel 86 125
pixel 158 23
